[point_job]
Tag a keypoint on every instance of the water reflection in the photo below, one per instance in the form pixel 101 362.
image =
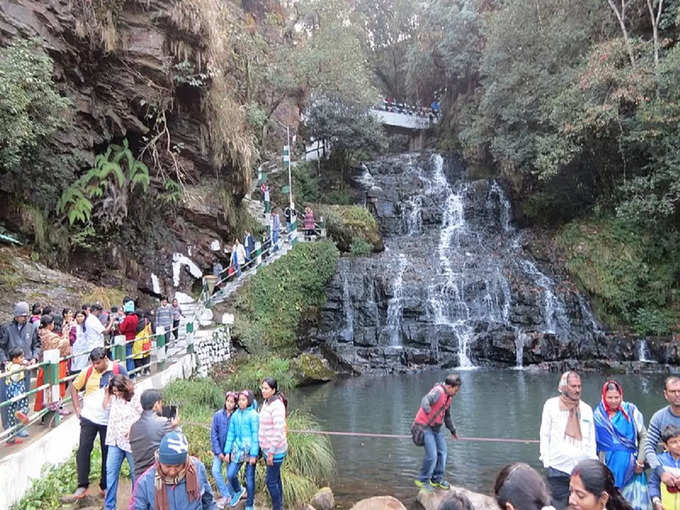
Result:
pixel 491 403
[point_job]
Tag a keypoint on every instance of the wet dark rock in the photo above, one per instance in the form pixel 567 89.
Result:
pixel 456 274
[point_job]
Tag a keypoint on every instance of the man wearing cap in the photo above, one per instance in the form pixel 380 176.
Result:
pixel 176 481
pixel 17 333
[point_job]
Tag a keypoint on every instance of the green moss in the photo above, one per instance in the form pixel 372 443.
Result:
pixel 272 306
pixel 248 372
pixel 631 275
pixel 351 224
pixel 309 369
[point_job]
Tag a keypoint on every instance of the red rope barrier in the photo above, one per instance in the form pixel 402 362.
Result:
pixel 404 436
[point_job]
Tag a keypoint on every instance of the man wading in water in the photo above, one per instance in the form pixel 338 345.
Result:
pixel 435 410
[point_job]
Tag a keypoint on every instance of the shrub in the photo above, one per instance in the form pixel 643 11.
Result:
pixel 346 224
pixel 630 274
pixel 248 373
pixel 360 248
pixel 273 304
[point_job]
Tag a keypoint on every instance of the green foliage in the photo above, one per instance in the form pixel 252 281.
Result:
pixel 360 248
pixel 248 373
pixel 348 225
pixel 31 109
pixel 631 275
pixel 272 305
pixel 103 192
pixel 184 73
pixel 348 127
pixel 55 482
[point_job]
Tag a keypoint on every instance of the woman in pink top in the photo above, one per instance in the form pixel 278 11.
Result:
pixel 272 438
pixel 125 409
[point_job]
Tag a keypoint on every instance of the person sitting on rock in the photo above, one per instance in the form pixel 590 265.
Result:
pixel 176 481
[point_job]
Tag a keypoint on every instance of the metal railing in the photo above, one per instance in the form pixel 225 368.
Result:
pixel 118 349
pixel 259 256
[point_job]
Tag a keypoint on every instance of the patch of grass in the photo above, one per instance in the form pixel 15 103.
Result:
pixel 107 296
pixel 350 224
pixel 248 372
pixel 272 305
pixel 631 275
pixel 55 482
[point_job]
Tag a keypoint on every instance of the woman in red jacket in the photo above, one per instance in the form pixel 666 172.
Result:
pixel 129 328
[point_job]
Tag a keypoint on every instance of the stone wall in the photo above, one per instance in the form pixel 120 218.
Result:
pixel 212 346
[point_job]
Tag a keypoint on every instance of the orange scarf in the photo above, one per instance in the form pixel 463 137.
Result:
pixel 574 421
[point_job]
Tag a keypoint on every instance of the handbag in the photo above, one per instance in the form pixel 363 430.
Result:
pixel 418 429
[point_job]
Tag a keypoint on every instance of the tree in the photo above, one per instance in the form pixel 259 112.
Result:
pixel 349 127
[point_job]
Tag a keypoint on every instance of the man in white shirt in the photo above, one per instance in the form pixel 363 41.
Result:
pixel 94 329
pixel 567 436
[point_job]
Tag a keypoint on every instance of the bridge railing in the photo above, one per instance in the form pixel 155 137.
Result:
pixel 156 355
pixel 408 109
pixel 258 257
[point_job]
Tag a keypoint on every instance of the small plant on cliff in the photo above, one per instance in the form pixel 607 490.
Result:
pixel 103 192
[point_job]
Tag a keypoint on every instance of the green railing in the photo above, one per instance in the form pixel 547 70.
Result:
pixel 159 347
pixel 258 257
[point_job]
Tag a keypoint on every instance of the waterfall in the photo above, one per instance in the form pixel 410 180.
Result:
pixel 395 305
pixel 450 294
pixel 554 314
pixel 348 332
pixel 505 206
pixel 644 355
pixel 520 341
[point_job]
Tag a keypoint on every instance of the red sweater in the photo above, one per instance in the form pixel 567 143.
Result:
pixel 129 326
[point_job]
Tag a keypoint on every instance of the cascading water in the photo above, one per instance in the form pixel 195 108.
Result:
pixel 644 355
pixel 451 248
pixel 394 305
pixel 348 310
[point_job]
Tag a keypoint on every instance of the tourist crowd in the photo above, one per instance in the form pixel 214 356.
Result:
pixel 28 337
pixel 593 459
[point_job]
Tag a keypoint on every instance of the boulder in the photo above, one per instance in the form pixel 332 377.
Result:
pixel 432 500
pixel 379 503
pixel 323 499
pixel 311 369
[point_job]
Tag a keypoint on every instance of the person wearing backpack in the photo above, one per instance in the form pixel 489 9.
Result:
pixel 272 436
pixel 435 410
pixel 93 415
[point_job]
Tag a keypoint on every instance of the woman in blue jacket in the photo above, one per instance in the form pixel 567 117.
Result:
pixel 242 446
pixel 218 437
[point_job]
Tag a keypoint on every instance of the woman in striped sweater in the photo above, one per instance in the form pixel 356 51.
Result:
pixel 272 436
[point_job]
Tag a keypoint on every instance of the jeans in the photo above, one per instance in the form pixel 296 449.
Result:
pixel 88 432
pixel 4 412
pixel 274 485
pixel 129 362
pixel 232 474
pixel 559 487
pixel 175 328
pixel 219 479
pixel 275 239
pixel 114 461
pixel 434 462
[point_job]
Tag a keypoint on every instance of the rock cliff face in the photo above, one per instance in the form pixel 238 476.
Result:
pixel 456 285
pixel 120 77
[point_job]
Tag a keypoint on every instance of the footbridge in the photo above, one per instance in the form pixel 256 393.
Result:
pixel 401 118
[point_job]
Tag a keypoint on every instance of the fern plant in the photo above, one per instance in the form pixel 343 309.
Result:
pixel 103 191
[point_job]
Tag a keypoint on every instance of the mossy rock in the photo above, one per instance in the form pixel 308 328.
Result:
pixel 311 369
pixel 347 223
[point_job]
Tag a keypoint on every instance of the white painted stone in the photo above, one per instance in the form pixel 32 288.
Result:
pixel 228 318
pixel 184 299
pixel 179 260
pixel 155 284
pixel 215 245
